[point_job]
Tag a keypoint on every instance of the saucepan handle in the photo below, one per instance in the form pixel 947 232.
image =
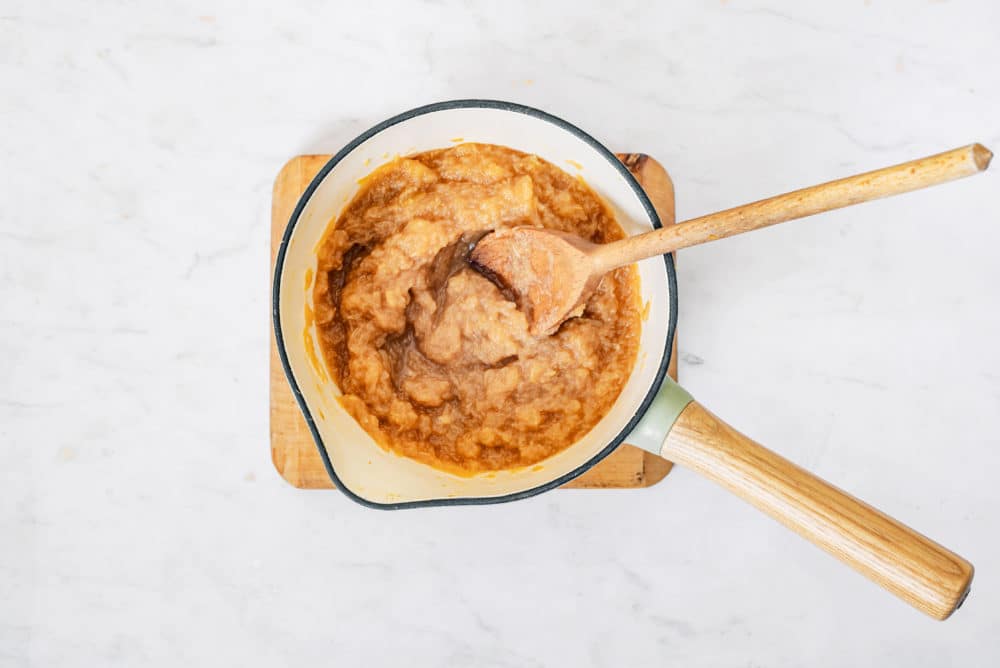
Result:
pixel 926 575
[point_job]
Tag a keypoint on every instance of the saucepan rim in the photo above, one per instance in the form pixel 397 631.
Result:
pixel 280 339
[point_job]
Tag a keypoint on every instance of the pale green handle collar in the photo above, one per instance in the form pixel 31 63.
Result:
pixel 659 418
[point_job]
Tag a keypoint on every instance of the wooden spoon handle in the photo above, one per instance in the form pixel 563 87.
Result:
pixel 894 180
pixel 911 566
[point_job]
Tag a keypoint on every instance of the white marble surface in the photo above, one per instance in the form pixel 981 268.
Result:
pixel 141 522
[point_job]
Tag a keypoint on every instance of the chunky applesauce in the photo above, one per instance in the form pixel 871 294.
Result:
pixel 433 360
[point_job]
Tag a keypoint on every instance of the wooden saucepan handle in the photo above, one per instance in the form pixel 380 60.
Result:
pixel 902 178
pixel 911 566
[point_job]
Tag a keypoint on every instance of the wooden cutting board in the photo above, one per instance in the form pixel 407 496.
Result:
pixel 293 450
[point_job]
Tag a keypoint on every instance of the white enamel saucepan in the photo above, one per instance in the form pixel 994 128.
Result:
pixel 652 412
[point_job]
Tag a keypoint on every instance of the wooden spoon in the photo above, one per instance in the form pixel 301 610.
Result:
pixel 552 274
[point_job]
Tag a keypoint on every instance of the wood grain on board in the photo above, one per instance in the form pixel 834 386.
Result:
pixel 293 450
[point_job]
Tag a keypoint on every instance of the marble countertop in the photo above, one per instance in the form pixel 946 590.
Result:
pixel 141 521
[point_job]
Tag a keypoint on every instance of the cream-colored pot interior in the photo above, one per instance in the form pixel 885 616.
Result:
pixel 363 468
